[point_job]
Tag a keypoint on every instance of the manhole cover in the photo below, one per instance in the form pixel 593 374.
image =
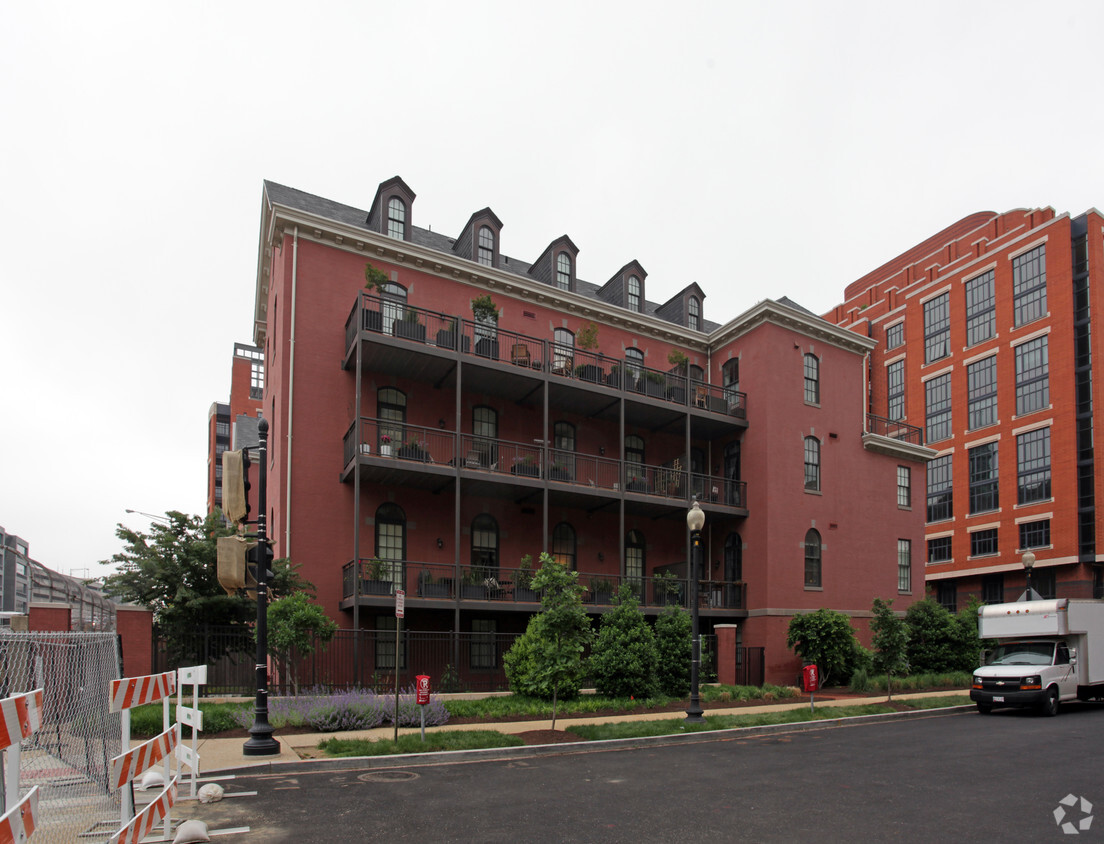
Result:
pixel 387 776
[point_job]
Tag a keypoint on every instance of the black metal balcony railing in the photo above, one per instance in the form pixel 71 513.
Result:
pixel 384 438
pixel 438 581
pixel 393 317
pixel 893 429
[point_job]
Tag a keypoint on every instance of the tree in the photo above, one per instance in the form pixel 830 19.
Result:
pixel 623 660
pixel 932 636
pixel 674 650
pixel 547 660
pixel 294 623
pixel 172 570
pixel 824 637
pixel 890 642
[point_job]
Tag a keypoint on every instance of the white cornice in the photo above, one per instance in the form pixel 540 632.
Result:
pixel 811 326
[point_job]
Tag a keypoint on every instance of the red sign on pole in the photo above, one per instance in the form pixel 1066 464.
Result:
pixel 423 689
pixel 400 603
pixel 809 678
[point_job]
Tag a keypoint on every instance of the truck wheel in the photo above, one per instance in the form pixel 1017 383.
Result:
pixel 1050 705
pixel 984 708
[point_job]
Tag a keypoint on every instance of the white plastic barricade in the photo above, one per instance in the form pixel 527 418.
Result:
pixel 191 716
pixel 136 691
pixel 20 718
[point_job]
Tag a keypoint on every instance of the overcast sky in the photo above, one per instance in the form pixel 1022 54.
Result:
pixel 759 149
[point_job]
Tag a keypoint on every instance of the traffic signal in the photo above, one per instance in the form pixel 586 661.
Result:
pixel 234 555
pixel 235 485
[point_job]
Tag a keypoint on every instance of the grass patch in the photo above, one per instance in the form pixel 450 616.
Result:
pixel 412 743
pixel 146 720
pixel 536 708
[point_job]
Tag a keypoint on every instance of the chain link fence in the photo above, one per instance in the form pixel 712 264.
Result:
pixel 69 757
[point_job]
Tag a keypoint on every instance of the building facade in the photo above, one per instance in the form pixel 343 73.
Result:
pixel 984 337
pixel 233 424
pixel 438 429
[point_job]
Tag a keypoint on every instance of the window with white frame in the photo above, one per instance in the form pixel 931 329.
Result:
pixel 1029 291
pixel 812 464
pixel 812 379
pixel 396 218
pixel 904 486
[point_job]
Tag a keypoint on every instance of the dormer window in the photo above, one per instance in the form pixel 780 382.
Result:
pixel 485 252
pixel 563 271
pixel 396 218
pixel 634 294
pixel 693 313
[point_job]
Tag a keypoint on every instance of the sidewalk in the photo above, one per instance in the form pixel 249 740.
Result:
pixel 223 753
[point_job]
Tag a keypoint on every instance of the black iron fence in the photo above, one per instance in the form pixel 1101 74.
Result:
pixel 457 662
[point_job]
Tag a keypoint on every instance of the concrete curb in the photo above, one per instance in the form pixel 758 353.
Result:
pixel 413 760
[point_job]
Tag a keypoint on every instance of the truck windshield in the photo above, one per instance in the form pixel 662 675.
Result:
pixel 1022 653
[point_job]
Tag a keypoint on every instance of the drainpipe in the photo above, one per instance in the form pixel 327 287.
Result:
pixel 291 394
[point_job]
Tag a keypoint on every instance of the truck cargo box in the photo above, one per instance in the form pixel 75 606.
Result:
pixel 1024 618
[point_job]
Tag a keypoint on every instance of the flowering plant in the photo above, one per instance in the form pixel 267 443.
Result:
pixel 385 440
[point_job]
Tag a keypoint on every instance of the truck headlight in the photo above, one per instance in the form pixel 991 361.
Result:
pixel 977 682
pixel 1035 681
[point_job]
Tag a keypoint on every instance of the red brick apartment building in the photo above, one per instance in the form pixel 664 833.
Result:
pixel 417 442
pixel 234 424
pixel 984 337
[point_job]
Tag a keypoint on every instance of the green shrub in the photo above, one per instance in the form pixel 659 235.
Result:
pixel 623 661
pixel 940 641
pixel 674 650
pixel 860 681
pixel 826 638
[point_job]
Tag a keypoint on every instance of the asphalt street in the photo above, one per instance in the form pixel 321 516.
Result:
pixel 964 776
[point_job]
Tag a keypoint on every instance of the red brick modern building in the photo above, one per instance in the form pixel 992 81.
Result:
pixel 419 442
pixel 234 424
pixel 984 337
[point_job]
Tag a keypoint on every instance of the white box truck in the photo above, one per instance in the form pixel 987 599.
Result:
pixel 1046 652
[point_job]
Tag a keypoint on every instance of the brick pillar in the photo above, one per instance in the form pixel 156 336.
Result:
pixel 135 628
pixel 49 618
pixel 726 653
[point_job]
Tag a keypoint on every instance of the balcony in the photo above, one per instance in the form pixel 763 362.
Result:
pixel 388 452
pixel 896 439
pixel 417 342
pixel 437 585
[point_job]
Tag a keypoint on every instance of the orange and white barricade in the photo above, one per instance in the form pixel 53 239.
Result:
pixel 20 718
pixel 125 694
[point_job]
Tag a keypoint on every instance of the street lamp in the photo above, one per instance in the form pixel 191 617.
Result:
pixel 149 516
pixel 1028 560
pixel 695 520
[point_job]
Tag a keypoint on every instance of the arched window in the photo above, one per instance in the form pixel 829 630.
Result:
pixel 733 571
pixel 812 379
pixel 563 271
pixel 634 369
pixel 812 464
pixel 393 305
pixel 390 546
pixel 484 547
pixel 693 313
pixel 485 253
pixel 633 302
pixel 391 410
pixel 396 218
pixel 563 351
pixel 563 545
pixel 812 559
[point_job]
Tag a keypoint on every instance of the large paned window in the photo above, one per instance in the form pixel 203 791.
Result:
pixel 1033 466
pixel 484 438
pixel 1035 534
pixel 904 486
pixel 946 593
pixel 812 464
pixel 981 309
pixel 813 573
pixel 939 550
pixel 1043 582
pixel 981 382
pixel 390 545
pixel 984 480
pixel 563 271
pixel 983 543
pixel 564 545
pixel 634 555
pixel 634 368
pixel 391 409
pixel 483 646
pixel 904 565
pixel 385 644
pixel 634 294
pixel 393 305
pixel 730 378
pixel 396 218
pixel 895 336
pixel 937 328
pixel 1029 285
pixel 937 399
pixel 484 253
pixel 992 588
pixel 895 390
pixel 812 379
pixel 693 314
pixel 940 489
pixel 484 546
pixel 563 351
pixel 1032 376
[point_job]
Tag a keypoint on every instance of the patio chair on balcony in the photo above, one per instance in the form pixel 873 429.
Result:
pixel 519 355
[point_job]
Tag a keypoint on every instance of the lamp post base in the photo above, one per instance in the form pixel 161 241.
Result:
pixel 261 742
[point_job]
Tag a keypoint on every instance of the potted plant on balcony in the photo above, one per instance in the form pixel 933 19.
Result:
pixel 666 589
pixel 655 384
pixel 525 466
pixel 374 280
pixel 676 381
pixel 636 483
pixel 471 585
pixel 558 471
pixel 601 590
pixel 447 337
pixel 376 578
pixel 523 586
pixel 414 449
pixel 587 340
pixel 385 446
pixel 410 326
pixel 485 312
pixel 430 588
